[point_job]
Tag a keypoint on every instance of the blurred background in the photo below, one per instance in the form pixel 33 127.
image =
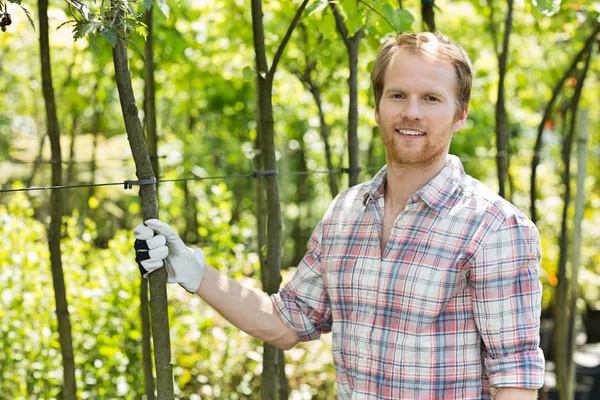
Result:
pixel 532 135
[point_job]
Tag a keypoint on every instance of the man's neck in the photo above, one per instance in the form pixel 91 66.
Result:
pixel 404 180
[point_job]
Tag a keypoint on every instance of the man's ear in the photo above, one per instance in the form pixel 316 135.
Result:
pixel 376 112
pixel 460 120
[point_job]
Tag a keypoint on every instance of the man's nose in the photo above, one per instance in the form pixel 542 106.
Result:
pixel 413 109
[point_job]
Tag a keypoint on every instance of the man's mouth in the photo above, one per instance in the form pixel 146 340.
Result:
pixel 410 132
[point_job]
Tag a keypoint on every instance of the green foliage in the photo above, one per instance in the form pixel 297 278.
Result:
pixel 547 7
pixel 210 356
pixel 204 64
pixel 401 20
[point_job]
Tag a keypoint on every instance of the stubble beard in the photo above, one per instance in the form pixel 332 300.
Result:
pixel 431 151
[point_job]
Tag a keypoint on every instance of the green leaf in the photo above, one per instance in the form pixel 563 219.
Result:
pixel 164 8
pixel 547 7
pixel 249 74
pixel 355 21
pixel 403 20
pixel 28 16
pixel 141 29
pixel 388 13
pixel 109 34
pixel 400 20
pixel 317 5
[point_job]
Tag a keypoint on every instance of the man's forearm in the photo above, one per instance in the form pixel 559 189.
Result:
pixel 515 394
pixel 249 309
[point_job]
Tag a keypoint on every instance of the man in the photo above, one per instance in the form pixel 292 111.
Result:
pixel 427 280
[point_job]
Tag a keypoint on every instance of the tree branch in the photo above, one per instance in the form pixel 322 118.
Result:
pixel 339 22
pixel 285 40
pixel 540 132
pixel 493 31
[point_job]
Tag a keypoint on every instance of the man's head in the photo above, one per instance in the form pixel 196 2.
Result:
pixel 422 84
pixel 435 46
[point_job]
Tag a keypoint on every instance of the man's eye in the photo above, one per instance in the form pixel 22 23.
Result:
pixel 432 98
pixel 397 96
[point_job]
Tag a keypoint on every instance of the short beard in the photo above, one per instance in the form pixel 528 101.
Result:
pixel 394 157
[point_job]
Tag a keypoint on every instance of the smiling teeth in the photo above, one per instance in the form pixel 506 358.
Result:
pixel 411 133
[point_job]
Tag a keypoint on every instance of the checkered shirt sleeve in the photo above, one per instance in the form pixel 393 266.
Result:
pixel 507 304
pixel 303 304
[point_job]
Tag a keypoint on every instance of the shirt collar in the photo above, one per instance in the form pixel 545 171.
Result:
pixel 435 193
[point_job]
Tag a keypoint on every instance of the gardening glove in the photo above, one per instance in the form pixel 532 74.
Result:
pixel 156 243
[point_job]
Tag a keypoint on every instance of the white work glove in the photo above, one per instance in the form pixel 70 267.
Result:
pixel 157 242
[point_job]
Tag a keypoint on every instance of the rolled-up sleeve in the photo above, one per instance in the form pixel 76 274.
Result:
pixel 507 297
pixel 303 304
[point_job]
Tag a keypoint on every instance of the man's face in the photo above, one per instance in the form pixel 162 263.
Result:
pixel 417 112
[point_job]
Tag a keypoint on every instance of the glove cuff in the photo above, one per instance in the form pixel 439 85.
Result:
pixel 193 284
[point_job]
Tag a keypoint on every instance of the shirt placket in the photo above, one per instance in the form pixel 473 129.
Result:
pixel 366 356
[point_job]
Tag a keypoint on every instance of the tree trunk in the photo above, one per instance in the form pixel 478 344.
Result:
pixel 284 387
pixel 73 137
pixel 271 268
pixel 324 129
pixel 299 233
pixel 576 245
pixel 158 279
pixel 564 315
pixel 502 126
pixel 352 46
pixel 535 161
pixel 38 159
pixel 371 150
pixel 69 389
pixel 150 125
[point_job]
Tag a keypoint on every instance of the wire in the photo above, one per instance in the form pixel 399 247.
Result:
pixel 128 184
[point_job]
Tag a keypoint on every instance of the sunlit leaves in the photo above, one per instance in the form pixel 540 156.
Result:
pixel 547 7
pixel 401 20
pixel 27 13
pixel 315 6
pixel 355 21
pixel 164 8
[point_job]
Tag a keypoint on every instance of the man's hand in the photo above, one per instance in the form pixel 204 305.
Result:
pixel 156 243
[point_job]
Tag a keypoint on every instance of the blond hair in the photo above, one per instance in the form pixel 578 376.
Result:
pixel 436 46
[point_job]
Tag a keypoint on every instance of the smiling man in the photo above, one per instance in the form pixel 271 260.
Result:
pixel 426 279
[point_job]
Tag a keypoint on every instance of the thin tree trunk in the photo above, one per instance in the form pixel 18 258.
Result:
pixel 73 137
pixel 144 170
pixel 502 126
pixel 576 245
pixel 191 213
pixel 69 390
pixel 271 269
pixel 428 15
pixel 371 150
pixel 564 314
pixel 284 387
pixel 191 206
pixel 352 46
pixel 324 129
pixel 150 126
pixel 299 233
pixel 535 161
pixel 38 160
pixel 560 312
pixel 313 87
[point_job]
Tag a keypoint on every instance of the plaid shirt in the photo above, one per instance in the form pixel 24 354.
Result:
pixel 451 308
